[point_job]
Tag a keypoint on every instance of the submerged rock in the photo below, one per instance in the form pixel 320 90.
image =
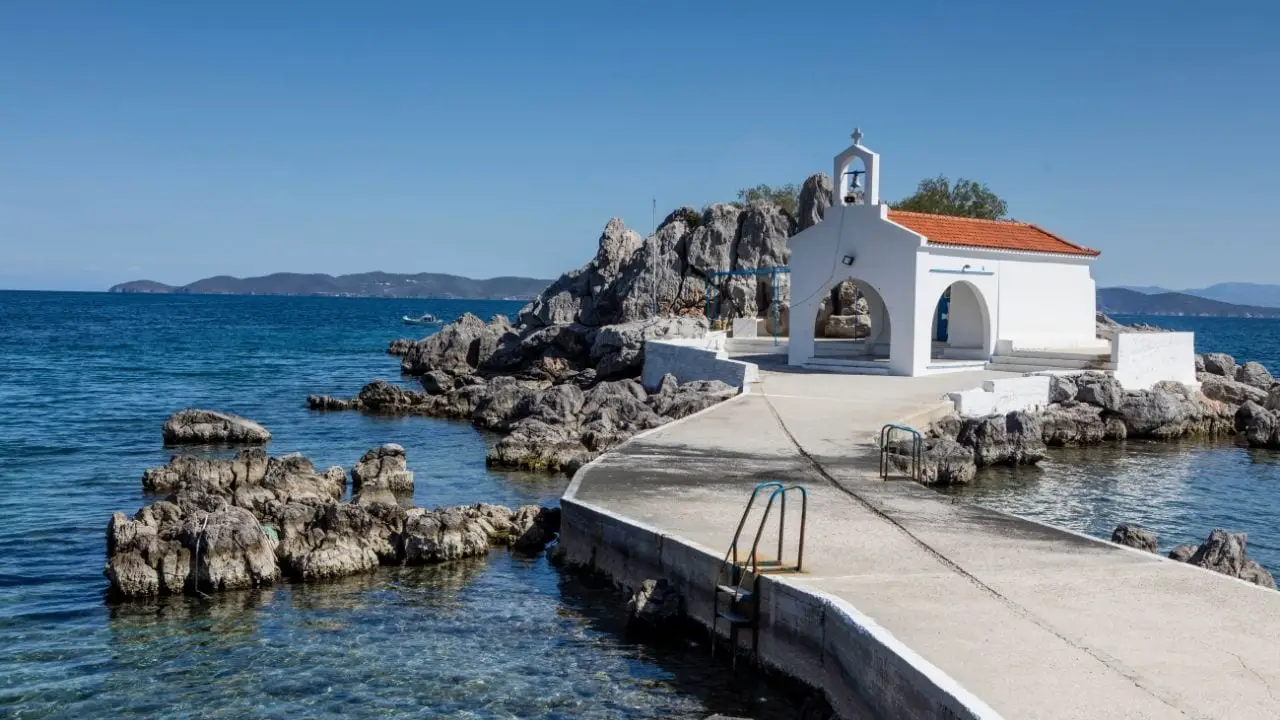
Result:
pixel 206 427
pixel 655 611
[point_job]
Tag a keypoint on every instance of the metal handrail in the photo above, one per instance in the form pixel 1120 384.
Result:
pixel 917 449
pixel 804 513
pixel 733 547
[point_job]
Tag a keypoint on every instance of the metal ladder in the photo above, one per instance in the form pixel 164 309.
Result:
pixel 742 611
pixel 886 446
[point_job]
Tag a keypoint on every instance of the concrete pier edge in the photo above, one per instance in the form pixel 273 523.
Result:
pixel 891 677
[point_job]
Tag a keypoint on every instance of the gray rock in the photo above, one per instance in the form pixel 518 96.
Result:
pixel 1183 552
pixel 1251 413
pixel 710 246
pixel 1256 574
pixel 400 346
pixel 947 462
pixel 381 470
pixel 655 611
pixel 848 326
pixel 204 427
pixel 533 527
pixel 443 534
pixel 1012 439
pixel 459 348
pixel 229 550
pixel 330 540
pixel 1169 410
pixel 676 401
pixel 1062 388
pixel 1134 537
pixel 539 446
pixel 1220 364
pixel 1099 389
pixel 815 198
pixel 1256 375
pixel 618 350
pixel 1199 363
pixel 502 404
pixel 1222 552
pixel 1216 387
pixel 1073 424
pixel 437 382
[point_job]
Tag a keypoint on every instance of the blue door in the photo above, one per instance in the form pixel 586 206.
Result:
pixel 940 316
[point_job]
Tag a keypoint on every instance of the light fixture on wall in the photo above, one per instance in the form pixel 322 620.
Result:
pixel 965 268
pixel 847 259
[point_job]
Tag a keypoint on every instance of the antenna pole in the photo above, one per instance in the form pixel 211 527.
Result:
pixel 653 262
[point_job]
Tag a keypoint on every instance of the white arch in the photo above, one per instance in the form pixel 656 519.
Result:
pixel 969 327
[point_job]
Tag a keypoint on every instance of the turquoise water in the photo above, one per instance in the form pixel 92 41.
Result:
pixel 1180 490
pixel 86 381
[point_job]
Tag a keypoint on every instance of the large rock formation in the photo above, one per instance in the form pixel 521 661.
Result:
pixel 1222 552
pixel 248 521
pixel 210 427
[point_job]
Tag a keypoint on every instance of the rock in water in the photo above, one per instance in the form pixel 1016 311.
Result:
pixel 1222 552
pixel 1134 537
pixel 1183 552
pixel 1256 574
pixel 381 470
pixel 1232 392
pixel 1072 424
pixel 204 427
pixel 229 550
pixel 443 534
pixel 655 611
pixel 1012 439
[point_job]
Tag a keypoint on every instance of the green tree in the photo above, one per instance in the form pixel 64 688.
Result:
pixel 966 198
pixel 786 197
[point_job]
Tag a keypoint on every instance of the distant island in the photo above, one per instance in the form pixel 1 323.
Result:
pixel 1129 301
pixel 1235 293
pixel 371 284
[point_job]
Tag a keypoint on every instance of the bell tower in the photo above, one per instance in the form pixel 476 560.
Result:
pixel 855 185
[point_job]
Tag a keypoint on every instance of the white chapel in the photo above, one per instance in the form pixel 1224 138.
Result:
pixel 944 293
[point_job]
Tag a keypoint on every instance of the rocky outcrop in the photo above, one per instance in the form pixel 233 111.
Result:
pixel 1256 375
pixel 1220 364
pixel 210 427
pixel 1108 328
pixel 1216 387
pixel 248 521
pixel 1222 552
pixel 400 346
pixel 551 428
pixel 1134 537
pixel 381 475
pixel 1012 439
pixel 947 462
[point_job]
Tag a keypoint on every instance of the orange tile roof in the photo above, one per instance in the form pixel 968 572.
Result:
pixel 993 234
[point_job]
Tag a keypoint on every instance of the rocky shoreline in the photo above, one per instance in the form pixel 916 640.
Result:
pixel 255 519
pixel 1222 552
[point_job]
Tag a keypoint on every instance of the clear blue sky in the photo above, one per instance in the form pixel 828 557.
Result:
pixel 173 141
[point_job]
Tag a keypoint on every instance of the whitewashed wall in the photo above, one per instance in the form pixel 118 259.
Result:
pixel 1003 396
pixel 691 360
pixel 1144 359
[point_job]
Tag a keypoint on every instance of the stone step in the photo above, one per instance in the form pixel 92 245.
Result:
pixel 844 365
pixel 1078 362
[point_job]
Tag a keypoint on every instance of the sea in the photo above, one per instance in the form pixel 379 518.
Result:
pixel 87 379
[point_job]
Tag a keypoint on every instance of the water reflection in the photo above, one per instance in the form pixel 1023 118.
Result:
pixel 1180 490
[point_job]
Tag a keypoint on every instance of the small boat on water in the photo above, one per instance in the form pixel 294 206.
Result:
pixel 423 319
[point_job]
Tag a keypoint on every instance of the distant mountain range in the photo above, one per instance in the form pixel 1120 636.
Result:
pixel 1130 301
pixel 371 284
pixel 1236 293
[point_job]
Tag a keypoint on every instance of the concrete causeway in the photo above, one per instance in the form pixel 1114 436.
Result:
pixel 1008 617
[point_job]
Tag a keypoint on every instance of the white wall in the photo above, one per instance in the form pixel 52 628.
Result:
pixel 1047 303
pixel 1003 396
pixel 691 360
pixel 884 262
pixel 1144 359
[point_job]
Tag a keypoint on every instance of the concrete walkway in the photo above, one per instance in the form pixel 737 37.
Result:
pixel 1035 621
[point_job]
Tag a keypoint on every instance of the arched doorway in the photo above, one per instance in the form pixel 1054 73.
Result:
pixel 851 321
pixel 961 324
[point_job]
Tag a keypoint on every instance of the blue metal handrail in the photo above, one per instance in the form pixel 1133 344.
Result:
pixel 917 449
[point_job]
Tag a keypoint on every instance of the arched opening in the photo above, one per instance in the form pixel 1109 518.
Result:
pixel 961 325
pixel 851 321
